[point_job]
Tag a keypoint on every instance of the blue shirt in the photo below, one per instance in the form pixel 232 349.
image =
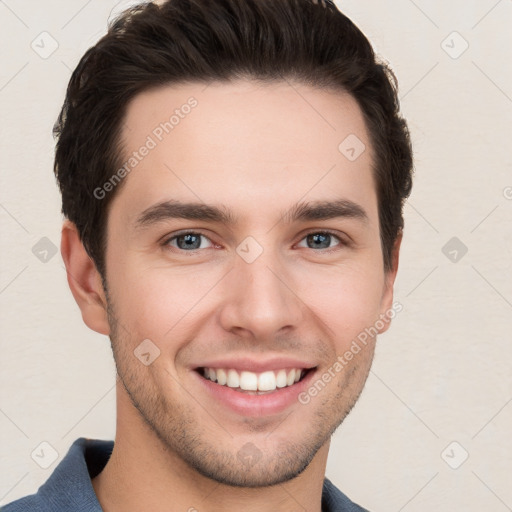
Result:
pixel 69 488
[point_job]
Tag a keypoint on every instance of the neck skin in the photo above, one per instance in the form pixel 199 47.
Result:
pixel 142 474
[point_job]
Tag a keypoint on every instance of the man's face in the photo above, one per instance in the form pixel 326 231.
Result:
pixel 268 291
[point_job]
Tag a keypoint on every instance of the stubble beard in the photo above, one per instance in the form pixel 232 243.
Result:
pixel 182 435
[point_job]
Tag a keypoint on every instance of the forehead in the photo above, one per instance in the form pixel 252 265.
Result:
pixel 248 144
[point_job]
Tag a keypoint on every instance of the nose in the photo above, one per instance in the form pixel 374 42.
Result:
pixel 261 300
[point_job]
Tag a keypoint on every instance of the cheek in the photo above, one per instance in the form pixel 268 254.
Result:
pixel 158 302
pixel 162 302
pixel 346 300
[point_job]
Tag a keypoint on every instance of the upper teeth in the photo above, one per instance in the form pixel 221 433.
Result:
pixel 249 381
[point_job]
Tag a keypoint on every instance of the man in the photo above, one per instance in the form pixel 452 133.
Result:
pixel 233 174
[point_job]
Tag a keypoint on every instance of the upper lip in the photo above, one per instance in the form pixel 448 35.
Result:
pixel 250 364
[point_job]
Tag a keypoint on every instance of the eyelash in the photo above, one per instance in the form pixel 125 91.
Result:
pixel 342 243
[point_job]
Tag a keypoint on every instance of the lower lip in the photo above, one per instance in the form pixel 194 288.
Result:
pixel 256 405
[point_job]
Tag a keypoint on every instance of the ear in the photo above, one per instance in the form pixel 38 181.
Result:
pixel 389 281
pixel 84 280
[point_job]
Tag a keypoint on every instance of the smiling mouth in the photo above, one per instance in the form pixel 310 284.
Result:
pixel 252 383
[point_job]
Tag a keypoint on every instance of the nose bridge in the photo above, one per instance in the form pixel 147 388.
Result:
pixel 262 300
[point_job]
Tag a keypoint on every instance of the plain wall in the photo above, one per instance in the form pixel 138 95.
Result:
pixel 441 374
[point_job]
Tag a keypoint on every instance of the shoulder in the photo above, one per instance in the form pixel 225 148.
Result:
pixel 333 500
pixel 30 503
pixel 69 487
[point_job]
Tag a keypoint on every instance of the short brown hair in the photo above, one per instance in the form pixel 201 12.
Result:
pixel 220 40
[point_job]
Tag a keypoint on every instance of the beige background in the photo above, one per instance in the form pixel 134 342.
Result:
pixel 442 374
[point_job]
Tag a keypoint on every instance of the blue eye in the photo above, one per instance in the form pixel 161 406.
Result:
pixel 188 241
pixel 192 241
pixel 321 240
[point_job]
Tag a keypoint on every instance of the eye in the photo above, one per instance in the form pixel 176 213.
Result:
pixel 192 241
pixel 321 240
pixel 188 241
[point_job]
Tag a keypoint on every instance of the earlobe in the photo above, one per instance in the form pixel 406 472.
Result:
pixel 84 280
pixel 390 276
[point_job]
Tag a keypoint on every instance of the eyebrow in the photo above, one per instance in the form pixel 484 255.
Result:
pixel 325 210
pixel 300 212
